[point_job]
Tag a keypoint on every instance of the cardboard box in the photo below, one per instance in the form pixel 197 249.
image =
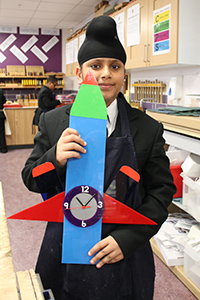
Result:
pixel 100 5
pixel 100 12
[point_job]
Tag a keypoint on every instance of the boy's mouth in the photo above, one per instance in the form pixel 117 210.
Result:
pixel 104 86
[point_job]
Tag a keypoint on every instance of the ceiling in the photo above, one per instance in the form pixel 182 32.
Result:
pixel 62 14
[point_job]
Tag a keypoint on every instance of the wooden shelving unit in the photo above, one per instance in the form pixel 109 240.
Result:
pixel 17 85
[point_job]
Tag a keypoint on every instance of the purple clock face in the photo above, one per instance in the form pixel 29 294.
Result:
pixel 83 206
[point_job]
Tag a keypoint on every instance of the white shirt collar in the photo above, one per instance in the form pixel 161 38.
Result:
pixel 112 111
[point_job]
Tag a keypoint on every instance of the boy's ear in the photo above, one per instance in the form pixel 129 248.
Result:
pixel 79 75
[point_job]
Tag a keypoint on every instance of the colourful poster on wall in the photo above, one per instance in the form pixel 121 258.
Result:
pixel 161 30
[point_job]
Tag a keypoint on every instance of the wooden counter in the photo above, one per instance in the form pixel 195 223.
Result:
pixel 184 125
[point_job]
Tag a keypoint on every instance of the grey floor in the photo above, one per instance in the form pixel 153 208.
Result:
pixel 26 236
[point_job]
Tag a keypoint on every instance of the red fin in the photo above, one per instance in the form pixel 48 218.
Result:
pixel 119 213
pixel 49 210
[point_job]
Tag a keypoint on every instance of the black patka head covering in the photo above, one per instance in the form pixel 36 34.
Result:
pixel 101 41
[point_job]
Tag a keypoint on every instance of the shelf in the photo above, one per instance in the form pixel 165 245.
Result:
pixel 181 206
pixel 177 270
pixel 26 79
pixel 185 125
pixel 30 77
pixel 16 86
pixel 183 142
pixel 180 131
pixel 23 76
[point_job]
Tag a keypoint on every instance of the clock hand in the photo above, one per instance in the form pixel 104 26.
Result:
pixel 90 199
pixel 80 201
pixel 83 207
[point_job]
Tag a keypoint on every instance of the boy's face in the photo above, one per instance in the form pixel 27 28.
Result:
pixel 51 85
pixel 109 73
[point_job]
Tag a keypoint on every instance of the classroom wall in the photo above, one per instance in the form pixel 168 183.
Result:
pixel 191 81
pixel 52 59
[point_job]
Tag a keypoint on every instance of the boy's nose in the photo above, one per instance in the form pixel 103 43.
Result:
pixel 106 72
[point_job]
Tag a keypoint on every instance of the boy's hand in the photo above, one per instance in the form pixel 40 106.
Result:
pixel 108 250
pixel 69 145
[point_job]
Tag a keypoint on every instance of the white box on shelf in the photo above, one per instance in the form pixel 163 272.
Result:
pixel 192 264
pixel 191 196
pixel 173 255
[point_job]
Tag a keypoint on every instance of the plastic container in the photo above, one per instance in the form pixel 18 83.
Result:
pixel 178 181
pixel 191 196
pixel 176 156
pixel 191 165
pixel 192 264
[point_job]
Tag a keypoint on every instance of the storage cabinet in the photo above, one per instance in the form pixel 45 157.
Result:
pixel 171 56
pixel 137 55
pixel 20 121
pixel 183 23
pixel 183 19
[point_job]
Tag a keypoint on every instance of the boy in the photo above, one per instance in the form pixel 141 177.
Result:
pixel 46 98
pixel 125 270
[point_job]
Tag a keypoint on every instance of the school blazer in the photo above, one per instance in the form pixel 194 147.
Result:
pixel 156 183
pixel 46 99
pixel 2 101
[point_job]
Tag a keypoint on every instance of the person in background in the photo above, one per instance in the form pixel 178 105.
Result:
pixel 122 264
pixel 46 98
pixel 3 147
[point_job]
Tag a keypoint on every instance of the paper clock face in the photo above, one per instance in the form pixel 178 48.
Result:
pixel 83 206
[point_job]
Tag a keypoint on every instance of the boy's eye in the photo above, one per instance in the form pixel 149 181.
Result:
pixel 95 66
pixel 116 67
